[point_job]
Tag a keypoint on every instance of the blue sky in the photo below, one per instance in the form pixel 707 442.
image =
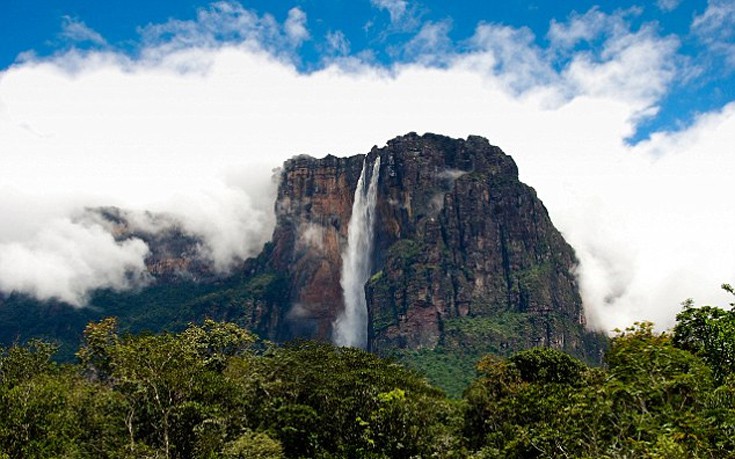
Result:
pixel 382 29
pixel 620 114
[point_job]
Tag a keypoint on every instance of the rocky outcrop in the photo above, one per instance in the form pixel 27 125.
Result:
pixel 457 236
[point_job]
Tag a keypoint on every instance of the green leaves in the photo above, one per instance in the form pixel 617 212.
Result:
pixel 708 332
pixel 653 400
pixel 547 365
pixel 318 399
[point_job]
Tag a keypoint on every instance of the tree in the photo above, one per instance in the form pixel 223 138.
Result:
pixel 323 401
pixel 708 332
pixel 172 383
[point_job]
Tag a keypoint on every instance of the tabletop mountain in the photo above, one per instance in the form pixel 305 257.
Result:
pixel 429 248
pixel 457 240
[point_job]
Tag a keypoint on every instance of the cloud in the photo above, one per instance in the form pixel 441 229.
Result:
pixel 431 44
pixel 716 29
pixel 396 8
pixel 664 232
pixel 337 43
pixel 295 26
pixel 66 260
pixel 77 32
pixel 404 16
pixel 650 222
pixel 668 5
pixel 584 28
pixel 226 22
pixel 511 55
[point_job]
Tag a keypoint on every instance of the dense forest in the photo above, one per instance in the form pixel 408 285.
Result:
pixel 215 391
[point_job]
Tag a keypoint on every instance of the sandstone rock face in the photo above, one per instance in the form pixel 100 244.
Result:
pixel 313 209
pixel 457 235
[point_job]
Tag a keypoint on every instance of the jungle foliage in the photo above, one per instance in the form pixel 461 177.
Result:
pixel 214 391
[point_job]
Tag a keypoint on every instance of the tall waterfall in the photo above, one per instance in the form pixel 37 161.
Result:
pixel 350 328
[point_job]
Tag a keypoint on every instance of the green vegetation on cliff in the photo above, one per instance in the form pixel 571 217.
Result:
pixel 451 364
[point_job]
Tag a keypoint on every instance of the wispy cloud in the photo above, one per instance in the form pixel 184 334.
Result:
pixel 668 5
pixel 716 29
pixel 76 31
pixel 588 27
pixel 404 15
pixel 396 8
pixel 431 44
pixel 227 23
pixel 337 43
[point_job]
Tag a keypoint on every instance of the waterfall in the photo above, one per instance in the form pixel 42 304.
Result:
pixel 350 328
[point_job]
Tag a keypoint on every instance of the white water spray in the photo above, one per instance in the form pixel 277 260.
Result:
pixel 350 328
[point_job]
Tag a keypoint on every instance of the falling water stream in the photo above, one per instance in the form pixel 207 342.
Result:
pixel 350 328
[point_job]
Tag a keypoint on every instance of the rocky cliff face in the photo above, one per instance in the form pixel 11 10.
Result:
pixel 457 236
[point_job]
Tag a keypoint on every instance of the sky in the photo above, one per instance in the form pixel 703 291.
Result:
pixel 620 114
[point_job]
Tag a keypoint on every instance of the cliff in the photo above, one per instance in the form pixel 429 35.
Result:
pixel 457 239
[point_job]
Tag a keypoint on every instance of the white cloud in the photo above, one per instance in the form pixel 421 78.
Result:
pixel 337 43
pixel 666 238
pixel 511 55
pixel 716 28
pixel 637 66
pixel 78 32
pixel 431 44
pixel 583 27
pixel 649 222
pixel 668 5
pixel 405 16
pixel 65 260
pixel 396 8
pixel 226 22
pixel 295 26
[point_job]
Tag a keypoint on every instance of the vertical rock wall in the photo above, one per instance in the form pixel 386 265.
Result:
pixel 457 235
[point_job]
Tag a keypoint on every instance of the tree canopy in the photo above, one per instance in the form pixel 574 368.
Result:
pixel 215 391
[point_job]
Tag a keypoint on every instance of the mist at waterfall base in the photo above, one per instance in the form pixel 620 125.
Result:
pixel 350 328
pixel 194 131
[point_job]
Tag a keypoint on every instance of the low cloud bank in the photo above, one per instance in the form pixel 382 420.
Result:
pixel 194 126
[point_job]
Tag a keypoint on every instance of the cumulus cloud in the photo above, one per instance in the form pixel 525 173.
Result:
pixel 649 222
pixel 295 26
pixel 511 55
